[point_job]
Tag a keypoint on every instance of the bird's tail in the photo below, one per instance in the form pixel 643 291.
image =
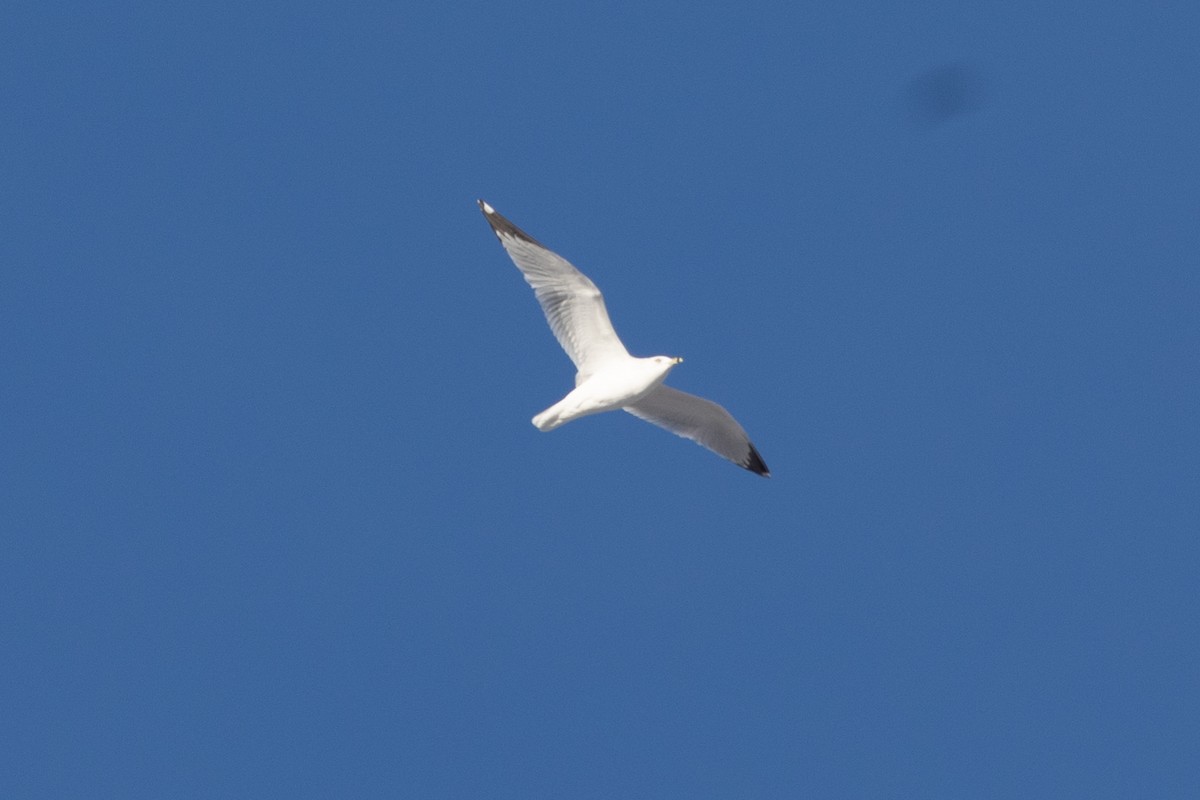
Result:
pixel 549 419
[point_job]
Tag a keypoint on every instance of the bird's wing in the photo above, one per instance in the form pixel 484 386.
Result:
pixel 573 305
pixel 702 421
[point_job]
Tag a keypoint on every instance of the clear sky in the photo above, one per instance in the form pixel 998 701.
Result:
pixel 274 519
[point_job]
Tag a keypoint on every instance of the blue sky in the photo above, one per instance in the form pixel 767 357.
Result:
pixel 275 520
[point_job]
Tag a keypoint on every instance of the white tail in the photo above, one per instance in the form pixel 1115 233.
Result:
pixel 547 420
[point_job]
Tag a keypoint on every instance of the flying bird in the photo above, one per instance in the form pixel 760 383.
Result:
pixel 608 377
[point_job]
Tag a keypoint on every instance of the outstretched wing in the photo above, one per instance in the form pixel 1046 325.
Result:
pixel 573 305
pixel 702 421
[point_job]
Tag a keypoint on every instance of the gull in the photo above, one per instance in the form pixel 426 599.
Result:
pixel 608 377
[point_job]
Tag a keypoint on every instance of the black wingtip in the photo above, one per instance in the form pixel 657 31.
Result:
pixel 755 464
pixel 502 226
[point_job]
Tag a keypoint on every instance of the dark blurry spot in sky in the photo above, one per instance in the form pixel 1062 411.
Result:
pixel 946 91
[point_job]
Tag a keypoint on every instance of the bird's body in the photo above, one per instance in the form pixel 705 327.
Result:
pixel 619 384
pixel 608 377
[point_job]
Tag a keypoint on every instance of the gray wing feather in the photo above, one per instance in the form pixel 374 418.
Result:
pixel 573 305
pixel 702 421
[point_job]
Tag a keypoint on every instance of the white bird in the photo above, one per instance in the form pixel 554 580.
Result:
pixel 608 377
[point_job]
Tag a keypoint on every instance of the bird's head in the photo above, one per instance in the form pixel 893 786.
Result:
pixel 667 362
